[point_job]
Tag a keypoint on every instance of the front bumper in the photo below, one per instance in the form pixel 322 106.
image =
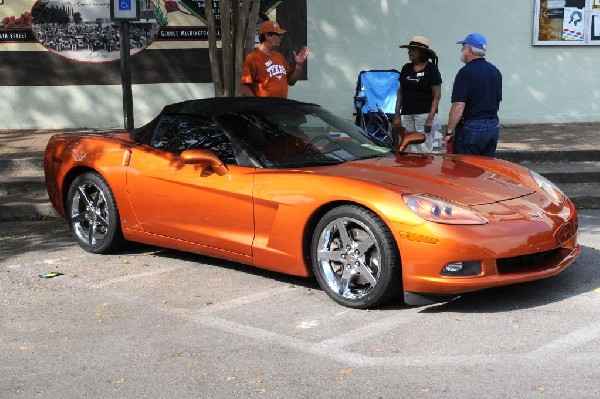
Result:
pixel 513 247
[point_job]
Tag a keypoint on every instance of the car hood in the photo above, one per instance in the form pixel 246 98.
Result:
pixel 469 180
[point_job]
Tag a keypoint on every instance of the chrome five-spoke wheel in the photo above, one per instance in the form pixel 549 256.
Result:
pixel 93 214
pixel 355 257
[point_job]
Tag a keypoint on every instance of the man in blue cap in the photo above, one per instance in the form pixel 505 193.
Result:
pixel 473 119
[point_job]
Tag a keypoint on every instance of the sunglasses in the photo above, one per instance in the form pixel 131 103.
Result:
pixel 274 34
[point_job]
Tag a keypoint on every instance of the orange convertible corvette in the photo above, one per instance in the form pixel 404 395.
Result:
pixel 287 186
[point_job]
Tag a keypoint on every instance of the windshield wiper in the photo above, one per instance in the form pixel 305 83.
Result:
pixel 378 155
pixel 323 162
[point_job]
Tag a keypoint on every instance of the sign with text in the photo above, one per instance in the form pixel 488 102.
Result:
pixel 198 8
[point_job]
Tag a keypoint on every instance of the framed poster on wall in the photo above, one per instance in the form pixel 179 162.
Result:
pixel 566 22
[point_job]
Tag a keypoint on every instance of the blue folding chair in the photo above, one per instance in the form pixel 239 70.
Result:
pixel 375 102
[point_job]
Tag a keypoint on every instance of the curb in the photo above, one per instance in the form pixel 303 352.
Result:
pixel 549 155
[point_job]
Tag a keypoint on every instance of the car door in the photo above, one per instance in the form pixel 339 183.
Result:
pixel 185 201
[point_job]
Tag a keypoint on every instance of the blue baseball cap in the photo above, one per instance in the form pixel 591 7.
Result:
pixel 475 40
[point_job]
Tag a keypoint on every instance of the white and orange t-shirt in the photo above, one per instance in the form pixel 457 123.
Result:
pixel 268 74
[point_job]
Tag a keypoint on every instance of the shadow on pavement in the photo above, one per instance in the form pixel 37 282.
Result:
pixel 309 282
pixel 17 238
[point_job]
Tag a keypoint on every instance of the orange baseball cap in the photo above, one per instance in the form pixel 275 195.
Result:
pixel 270 26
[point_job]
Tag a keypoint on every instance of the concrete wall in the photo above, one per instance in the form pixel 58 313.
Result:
pixel 100 106
pixel 541 83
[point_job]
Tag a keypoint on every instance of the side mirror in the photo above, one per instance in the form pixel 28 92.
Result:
pixel 403 138
pixel 206 158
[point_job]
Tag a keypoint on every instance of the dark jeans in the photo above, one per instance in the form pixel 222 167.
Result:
pixel 477 136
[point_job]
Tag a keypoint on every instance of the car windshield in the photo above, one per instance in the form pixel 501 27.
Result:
pixel 299 136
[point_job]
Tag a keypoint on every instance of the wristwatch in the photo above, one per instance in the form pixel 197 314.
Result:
pixel 449 133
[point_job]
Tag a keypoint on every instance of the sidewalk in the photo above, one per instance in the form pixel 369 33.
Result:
pixel 537 137
pixel 550 137
pixel 24 143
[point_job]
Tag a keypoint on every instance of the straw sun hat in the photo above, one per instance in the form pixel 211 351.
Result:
pixel 422 43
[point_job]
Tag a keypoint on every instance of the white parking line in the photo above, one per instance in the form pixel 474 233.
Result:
pixel 371 330
pixel 46 261
pixel 237 302
pixel 130 277
pixel 570 341
pixel 397 360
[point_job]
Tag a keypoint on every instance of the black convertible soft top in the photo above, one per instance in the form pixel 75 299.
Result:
pixel 211 107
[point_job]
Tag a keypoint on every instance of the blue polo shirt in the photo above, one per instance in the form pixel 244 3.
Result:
pixel 478 84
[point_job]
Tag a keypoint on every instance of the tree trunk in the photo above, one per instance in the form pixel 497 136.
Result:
pixel 238 33
pixel 227 46
pixel 247 32
pixel 213 53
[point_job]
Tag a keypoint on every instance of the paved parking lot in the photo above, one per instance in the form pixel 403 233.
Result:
pixel 164 324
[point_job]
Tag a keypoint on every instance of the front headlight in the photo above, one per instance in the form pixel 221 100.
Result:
pixel 549 187
pixel 439 211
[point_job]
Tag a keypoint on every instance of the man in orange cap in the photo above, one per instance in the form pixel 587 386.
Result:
pixel 266 72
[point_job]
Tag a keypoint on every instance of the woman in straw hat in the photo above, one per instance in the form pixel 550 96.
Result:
pixel 419 92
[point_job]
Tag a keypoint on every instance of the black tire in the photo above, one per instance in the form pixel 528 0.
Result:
pixel 355 258
pixel 93 215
